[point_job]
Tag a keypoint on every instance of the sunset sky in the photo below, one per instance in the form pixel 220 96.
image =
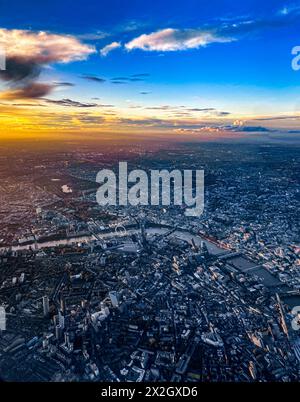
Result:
pixel 182 67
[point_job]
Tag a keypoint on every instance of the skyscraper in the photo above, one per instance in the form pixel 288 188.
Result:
pixel 114 298
pixel 45 306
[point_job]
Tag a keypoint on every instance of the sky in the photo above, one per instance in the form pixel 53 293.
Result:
pixel 183 67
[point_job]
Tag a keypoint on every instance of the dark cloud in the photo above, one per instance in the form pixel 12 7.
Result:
pixel 245 129
pixel 163 107
pixel 119 82
pixel 70 103
pixel 119 79
pixel 222 113
pixel 136 79
pixel 21 75
pixel 32 90
pixel 93 78
pixel 195 109
pixel 198 129
pixel 184 109
pixel 63 84
pixel 249 129
pixel 19 69
pixel 131 78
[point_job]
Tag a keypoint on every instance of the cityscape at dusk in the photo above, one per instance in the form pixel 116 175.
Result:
pixel 149 193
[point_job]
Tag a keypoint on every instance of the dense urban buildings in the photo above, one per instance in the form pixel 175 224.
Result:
pixel 144 293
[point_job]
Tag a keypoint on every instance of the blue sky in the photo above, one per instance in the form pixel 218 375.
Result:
pixel 230 60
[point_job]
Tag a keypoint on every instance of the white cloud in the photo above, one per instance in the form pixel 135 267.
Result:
pixel 289 10
pixel 204 129
pixel 42 47
pixel 175 39
pixel 108 48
